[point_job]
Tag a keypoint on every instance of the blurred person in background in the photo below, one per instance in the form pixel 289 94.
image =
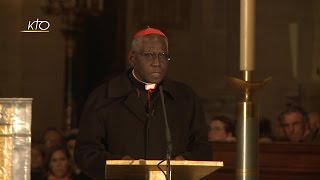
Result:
pixel 221 129
pixel 265 132
pixel 294 122
pixel 58 164
pixel 52 137
pixel 71 138
pixel 37 162
pixel 314 125
pixel 314 121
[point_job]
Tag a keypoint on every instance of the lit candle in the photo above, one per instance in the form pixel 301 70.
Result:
pixel 247 35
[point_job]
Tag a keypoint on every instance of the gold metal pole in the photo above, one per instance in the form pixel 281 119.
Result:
pixel 247 135
pixel 247 126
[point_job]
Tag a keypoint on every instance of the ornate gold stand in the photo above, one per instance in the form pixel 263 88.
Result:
pixel 15 138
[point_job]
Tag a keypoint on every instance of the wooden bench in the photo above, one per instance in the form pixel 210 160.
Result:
pixel 277 161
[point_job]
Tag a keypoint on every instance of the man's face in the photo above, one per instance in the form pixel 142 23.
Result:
pixel 150 63
pixel 294 126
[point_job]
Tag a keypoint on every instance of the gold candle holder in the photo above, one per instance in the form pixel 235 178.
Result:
pixel 247 126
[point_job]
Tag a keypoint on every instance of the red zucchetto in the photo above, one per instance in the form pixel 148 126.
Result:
pixel 147 31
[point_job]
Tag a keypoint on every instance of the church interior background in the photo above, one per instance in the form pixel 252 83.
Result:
pixel 204 46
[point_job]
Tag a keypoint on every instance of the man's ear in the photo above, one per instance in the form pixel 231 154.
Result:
pixel 131 59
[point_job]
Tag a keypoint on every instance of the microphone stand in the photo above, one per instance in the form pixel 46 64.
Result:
pixel 168 137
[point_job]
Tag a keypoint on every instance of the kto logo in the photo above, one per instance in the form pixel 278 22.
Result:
pixel 37 26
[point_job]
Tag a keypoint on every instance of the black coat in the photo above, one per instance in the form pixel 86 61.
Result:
pixel 114 123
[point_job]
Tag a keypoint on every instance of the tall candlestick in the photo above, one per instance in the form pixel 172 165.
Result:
pixel 247 35
pixel 248 117
pixel 247 122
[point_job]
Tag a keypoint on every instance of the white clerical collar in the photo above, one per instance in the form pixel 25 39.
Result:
pixel 147 86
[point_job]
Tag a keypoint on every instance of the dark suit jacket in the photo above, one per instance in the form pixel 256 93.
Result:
pixel 114 124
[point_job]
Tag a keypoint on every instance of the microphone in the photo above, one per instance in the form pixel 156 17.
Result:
pixel 168 136
pixel 146 148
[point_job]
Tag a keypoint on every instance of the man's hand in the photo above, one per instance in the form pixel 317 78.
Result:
pixel 179 158
pixel 126 157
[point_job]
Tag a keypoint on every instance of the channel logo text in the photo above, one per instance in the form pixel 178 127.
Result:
pixel 37 26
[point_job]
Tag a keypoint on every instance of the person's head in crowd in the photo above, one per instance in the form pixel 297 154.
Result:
pixel 71 137
pixel 58 164
pixel 37 157
pixel 70 142
pixel 149 55
pixel 314 121
pixel 221 128
pixel 52 137
pixel 294 122
pixel 265 132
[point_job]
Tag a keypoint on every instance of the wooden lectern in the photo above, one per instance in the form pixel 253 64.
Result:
pixel 147 169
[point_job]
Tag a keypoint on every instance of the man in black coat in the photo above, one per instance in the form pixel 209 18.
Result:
pixel 124 119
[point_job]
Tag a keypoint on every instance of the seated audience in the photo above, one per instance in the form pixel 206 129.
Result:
pixel 37 162
pixel 71 141
pixel 58 164
pixel 314 121
pixel 314 125
pixel 221 129
pixel 265 132
pixel 294 122
pixel 52 137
